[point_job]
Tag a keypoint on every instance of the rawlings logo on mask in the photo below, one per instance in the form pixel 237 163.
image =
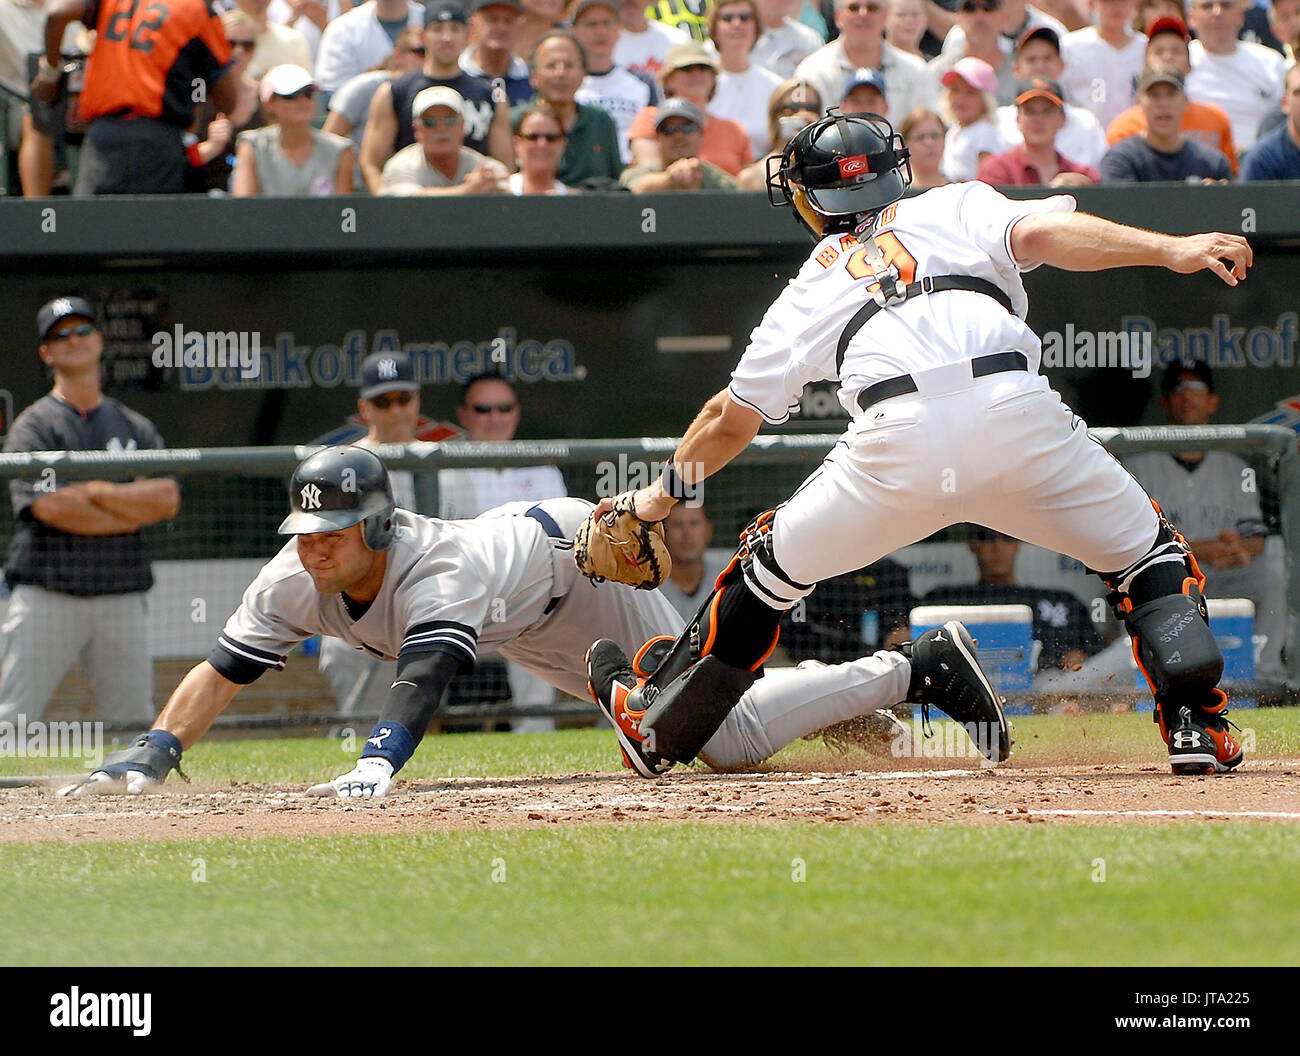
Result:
pixel 854 166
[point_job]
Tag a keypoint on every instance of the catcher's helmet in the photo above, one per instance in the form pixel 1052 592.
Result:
pixel 337 488
pixel 840 171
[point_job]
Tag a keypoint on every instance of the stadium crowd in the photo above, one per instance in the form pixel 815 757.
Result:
pixel 395 97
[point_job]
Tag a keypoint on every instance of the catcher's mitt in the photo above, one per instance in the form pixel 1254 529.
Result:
pixel 620 546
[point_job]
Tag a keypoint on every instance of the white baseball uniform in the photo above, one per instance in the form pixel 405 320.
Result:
pixel 507 581
pixel 1000 450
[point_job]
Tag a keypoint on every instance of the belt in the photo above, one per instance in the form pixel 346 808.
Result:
pixel 980 367
pixel 553 530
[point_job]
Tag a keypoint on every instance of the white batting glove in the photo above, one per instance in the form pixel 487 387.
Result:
pixel 102 783
pixel 369 779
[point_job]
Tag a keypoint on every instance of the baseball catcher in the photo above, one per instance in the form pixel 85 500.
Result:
pixel 916 308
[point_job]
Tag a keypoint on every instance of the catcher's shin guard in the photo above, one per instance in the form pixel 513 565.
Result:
pixel 687 712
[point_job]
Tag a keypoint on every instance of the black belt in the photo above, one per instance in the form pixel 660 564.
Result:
pixel 553 530
pixel 979 367
pixel 935 284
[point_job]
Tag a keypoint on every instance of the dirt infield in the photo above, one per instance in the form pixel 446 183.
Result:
pixel 1266 790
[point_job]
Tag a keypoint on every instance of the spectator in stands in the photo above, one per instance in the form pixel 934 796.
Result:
pixel 217 132
pixel 389 405
pixel 643 43
pixel 1284 24
pixel 744 87
pixel 1164 152
pixel 540 17
pixel 1038 54
pixel 689 16
pixel 349 108
pixel 1037 162
pixel 78 567
pixel 980 20
pixel 592 152
pixel 1167 49
pixel 390 128
pixel 289 158
pixel 793 106
pixel 679 127
pixel 688 532
pixel 851 615
pixel 1244 80
pixel 690 72
pixel 361 39
pixel 308 17
pixel 619 92
pixel 439 163
pixel 1015 20
pixel 923 131
pixel 969 106
pixel 1277 155
pixel 1210 496
pixel 1062 623
pixel 864 93
pixel 134 140
pixel 1103 61
pixel 275 45
pixel 1150 10
pixel 539 145
pixel 783 40
pixel 40 127
pixel 862 43
pixel 496 25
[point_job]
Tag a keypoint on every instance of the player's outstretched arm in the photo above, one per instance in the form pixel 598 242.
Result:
pixel 1083 242
pixel 201 696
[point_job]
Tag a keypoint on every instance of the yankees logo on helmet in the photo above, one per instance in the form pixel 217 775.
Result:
pixel 310 497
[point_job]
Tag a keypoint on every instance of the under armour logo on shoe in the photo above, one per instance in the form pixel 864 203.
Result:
pixel 310 495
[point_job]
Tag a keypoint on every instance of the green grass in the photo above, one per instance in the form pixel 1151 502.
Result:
pixel 657 894
pixel 1040 740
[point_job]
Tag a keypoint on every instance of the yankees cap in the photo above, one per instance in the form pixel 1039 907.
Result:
pixel 445 11
pixel 59 309
pixel 387 372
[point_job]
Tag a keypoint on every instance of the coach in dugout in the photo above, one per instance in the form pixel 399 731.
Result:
pixel 151 66
pixel 77 565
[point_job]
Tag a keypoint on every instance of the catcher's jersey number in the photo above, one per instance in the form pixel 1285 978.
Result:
pixel 891 249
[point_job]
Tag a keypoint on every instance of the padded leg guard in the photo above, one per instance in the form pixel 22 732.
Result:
pixel 1175 647
pixel 684 715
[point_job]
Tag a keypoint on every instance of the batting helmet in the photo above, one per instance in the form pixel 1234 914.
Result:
pixel 337 488
pixel 840 171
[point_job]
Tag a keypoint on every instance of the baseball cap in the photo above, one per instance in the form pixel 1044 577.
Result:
pixel 687 53
pixel 587 5
pixel 1152 77
pixel 975 72
pixel 864 76
pixel 284 80
pixel 1046 33
pixel 387 372
pixel 1168 24
pixel 1179 369
pixel 445 11
pixel 438 95
pixel 477 5
pixel 678 107
pixel 57 310
pixel 1039 88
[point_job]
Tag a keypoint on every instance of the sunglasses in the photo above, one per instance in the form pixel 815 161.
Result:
pixel 533 137
pixel 62 334
pixel 302 93
pixel 739 16
pixel 684 129
pixel 488 408
pixel 971 6
pixel 384 400
pixel 414 49
pixel 435 122
pixel 864 9
pixel 1189 386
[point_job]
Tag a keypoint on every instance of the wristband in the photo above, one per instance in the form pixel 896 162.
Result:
pixel 673 484
pixel 391 741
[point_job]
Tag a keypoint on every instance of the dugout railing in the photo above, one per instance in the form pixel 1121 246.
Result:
pixel 234 498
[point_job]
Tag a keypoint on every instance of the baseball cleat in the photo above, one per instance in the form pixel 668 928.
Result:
pixel 1202 744
pixel 946 675
pixel 613 684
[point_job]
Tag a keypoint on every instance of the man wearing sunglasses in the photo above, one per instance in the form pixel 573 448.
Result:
pixel 862 43
pixel 980 22
pixel 438 162
pixel 679 130
pixel 77 566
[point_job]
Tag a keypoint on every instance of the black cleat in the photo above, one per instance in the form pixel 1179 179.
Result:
pixel 946 675
pixel 1203 744
pixel 613 684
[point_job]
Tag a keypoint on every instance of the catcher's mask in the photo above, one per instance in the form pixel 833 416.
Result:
pixel 840 171
pixel 337 488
